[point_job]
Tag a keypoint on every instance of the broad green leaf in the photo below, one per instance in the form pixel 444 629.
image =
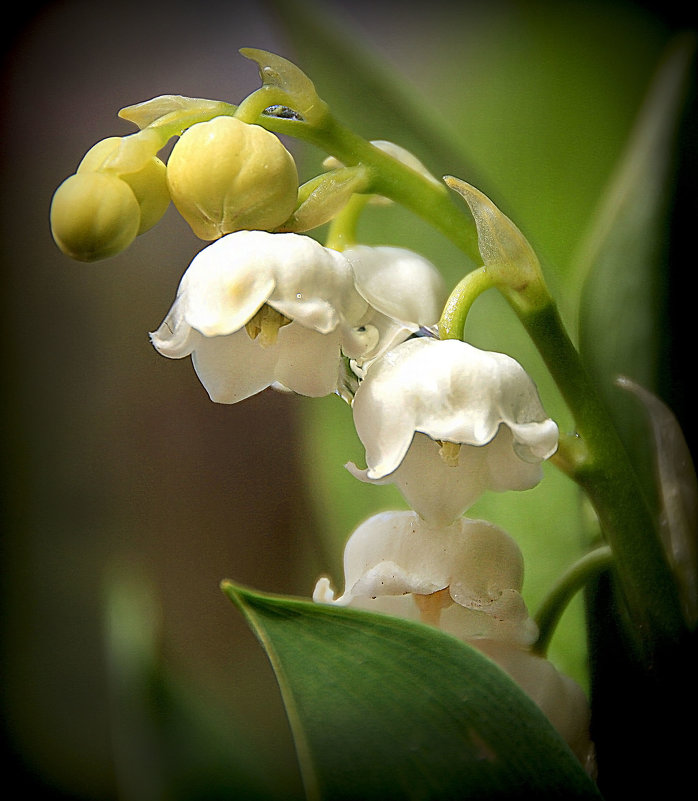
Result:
pixel 621 267
pixel 382 708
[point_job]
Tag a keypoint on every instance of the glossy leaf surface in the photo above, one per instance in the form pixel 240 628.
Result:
pixel 382 708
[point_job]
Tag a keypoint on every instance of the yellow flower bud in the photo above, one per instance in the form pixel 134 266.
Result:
pixel 94 215
pixel 149 184
pixel 226 175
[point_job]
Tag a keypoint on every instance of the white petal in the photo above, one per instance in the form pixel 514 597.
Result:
pixel 228 281
pixel 398 283
pixel 175 338
pixel 314 285
pixel 504 619
pixel 396 553
pixel 508 464
pixel 224 286
pixel 438 492
pixel 450 391
pixel 234 367
pixel 308 362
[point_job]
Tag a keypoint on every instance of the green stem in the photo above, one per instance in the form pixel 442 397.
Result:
pixel 460 301
pixel 599 463
pixel 566 587
pixel 253 105
pixel 390 178
pixel 342 231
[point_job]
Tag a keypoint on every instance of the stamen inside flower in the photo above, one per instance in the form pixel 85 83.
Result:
pixel 449 452
pixel 430 606
pixel 265 325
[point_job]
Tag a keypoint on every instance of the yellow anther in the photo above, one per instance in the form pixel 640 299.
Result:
pixel 265 325
pixel 449 452
pixel 430 606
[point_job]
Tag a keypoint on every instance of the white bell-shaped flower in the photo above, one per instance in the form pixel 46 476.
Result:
pixel 255 309
pixel 464 579
pixel 559 697
pixel 404 291
pixel 445 421
pixel 467 575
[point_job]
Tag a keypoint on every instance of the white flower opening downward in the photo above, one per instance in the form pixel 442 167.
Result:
pixel 465 577
pixel 403 290
pixel 466 580
pixel 445 422
pixel 256 308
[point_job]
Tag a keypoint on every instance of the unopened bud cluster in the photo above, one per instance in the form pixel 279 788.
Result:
pixel 223 175
pixel 99 211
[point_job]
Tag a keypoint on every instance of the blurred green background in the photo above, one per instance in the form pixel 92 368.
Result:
pixel 128 496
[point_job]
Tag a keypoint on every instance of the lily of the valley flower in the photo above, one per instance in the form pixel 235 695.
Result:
pixel 464 579
pixel 404 291
pixel 255 308
pixel 445 421
pixel 466 576
pixel 558 696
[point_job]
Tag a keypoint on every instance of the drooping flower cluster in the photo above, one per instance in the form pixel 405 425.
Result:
pixel 441 419
pixel 255 309
pixel 263 306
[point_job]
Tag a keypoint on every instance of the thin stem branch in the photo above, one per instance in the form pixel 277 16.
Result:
pixel 342 231
pixel 603 469
pixel 460 301
pixel 390 178
pixel 566 587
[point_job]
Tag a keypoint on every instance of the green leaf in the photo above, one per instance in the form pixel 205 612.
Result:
pixel 383 708
pixel 621 268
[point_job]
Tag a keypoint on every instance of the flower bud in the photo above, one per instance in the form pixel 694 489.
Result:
pixel 149 184
pixel 226 175
pixel 94 215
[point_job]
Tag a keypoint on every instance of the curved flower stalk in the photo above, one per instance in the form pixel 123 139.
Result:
pixel 445 421
pixel 399 153
pixel 404 292
pixel 464 578
pixel 254 309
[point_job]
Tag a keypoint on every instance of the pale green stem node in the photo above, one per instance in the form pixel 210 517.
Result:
pixel 506 253
pixel 297 89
